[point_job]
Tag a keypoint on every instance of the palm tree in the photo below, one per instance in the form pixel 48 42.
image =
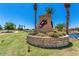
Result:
pixel 50 11
pixel 67 5
pixel 24 27
pixel 35 9
pixel 59 27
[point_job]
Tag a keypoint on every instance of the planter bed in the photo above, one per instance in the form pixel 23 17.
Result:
pixel 48 42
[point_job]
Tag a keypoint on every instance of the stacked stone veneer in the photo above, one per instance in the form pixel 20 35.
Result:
pixel 48 42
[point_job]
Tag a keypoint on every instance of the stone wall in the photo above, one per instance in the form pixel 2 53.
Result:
pixel 48 42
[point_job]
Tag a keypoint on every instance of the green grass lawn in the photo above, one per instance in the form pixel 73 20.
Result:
pixel 15 45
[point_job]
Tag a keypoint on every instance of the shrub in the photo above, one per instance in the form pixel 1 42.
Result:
pixel 40 34
pixel 60 33
pixel 56 34
pixel 64 33
pixel 55 31
pixel 32 33
pixel 52 34
pixel 43 32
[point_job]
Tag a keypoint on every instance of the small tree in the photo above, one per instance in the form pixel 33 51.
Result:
pixel 20 27
pixel 1 27
pixel 59 27
pixel 9 26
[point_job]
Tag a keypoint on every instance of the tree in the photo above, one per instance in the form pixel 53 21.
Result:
pixel 49 10
pixel 24 27
pixel 9 26
pixel 59 27
pixel 20 27
pixel 0 27
pixel 67 5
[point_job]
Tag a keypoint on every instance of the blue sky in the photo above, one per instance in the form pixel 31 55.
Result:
pixel 23 13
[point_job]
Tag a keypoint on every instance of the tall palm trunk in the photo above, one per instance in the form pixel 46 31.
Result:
pixel 35 21
pixel 67 5
pixel 35 10
pixel 67 21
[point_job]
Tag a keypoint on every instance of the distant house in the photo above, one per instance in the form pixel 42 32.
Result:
pixel 74 30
